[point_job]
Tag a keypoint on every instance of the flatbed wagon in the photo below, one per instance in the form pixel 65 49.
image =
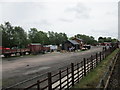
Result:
pixel 33 48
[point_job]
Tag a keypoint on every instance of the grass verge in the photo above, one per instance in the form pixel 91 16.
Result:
pixel 92 79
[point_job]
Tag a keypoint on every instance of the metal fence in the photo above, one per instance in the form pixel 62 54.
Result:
pixel 69 76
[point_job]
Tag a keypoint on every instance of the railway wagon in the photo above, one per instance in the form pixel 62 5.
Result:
pixel 35 48
pixel 8 52
pixel 46 48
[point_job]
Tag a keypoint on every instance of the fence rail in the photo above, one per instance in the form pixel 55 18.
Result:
pixel 71 75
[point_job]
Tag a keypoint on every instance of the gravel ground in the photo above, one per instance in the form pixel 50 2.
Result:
pixel 21 68
pixel 114 82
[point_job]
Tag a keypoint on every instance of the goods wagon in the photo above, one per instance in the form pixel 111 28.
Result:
pixel 46 48
pixel 33 48
pixel 8 52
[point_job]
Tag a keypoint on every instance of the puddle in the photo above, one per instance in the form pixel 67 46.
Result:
pixel 37 70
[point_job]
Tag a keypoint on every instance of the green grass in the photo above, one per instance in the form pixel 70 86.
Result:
pixel 92 79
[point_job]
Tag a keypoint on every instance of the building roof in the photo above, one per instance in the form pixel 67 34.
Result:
pixel 79 39
pixel 73 42
pixel 35 44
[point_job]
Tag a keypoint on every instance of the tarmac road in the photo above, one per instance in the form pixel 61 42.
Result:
pixel 18 69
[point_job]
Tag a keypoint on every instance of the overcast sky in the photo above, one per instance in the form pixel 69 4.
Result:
pixel 95 18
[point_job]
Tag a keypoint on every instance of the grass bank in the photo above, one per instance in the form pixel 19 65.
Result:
pixel 92 79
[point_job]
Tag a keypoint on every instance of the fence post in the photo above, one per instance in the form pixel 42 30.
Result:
pixel 91 62
pixel 49 81
pixel 103 48
pixel 106 52
pixel 96 59
pixel 84 60
pixel 60 78
pixel 102 83
pixel 72 70
pixel 109 50
pixel 103 55
pixel 100 57
pixel 38 86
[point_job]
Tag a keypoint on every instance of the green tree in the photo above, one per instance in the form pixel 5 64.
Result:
pixel 56 38
pixel 100 39
pixel 32 35
pixel 7 37
pixel 51 36
pixel 106 39
pixel 20 37
pixel 42 38
pixel 38 36
pixel 87 39
pixel 13 36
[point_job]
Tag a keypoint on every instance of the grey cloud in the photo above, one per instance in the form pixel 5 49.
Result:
pixel 45 22
pixel 42 22
pixel 105 32
pixel 80 10
pixel 66 20
pixel 112 13
pixel 22 11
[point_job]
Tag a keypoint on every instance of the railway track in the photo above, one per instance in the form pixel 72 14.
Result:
pixel 114 82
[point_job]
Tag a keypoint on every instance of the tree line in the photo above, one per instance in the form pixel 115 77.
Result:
pixel 106 39
pixel 16 36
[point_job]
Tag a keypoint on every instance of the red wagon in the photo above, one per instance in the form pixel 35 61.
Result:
pixel 35 48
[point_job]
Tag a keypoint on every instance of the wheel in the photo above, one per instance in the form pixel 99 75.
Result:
pixel 24 53
pixel 7 55
pixel 21 54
